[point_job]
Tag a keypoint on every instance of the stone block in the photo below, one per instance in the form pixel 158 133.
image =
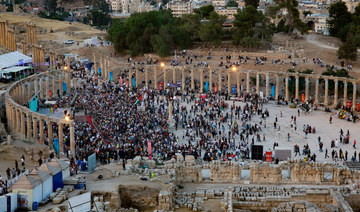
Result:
pixel 56 210
pixel 53 195
pixel 57 200
pixel 189 158
pixel 58 190
pixel 200 193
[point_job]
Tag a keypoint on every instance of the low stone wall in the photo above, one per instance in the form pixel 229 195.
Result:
pixel 291 172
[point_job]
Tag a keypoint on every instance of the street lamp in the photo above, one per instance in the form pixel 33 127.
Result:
pixel 234 68
pixel 162 65
pixel 65 68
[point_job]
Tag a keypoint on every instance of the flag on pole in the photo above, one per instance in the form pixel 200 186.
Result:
pixel 139 100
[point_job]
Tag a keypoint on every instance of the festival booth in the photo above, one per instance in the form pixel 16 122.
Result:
pixel 65 168
pixel 9 202
pixel 46 180
pixel 56 174
pixel 29 192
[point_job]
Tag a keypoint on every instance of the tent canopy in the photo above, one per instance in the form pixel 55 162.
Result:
pixel 13 59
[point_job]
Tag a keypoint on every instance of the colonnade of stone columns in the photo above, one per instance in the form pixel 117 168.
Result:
pixel 38 56
pixel 246 74
pixel 29 124
pixel 31 33
pixel 7 36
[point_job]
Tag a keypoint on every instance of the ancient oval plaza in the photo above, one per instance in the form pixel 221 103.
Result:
pixel 105 135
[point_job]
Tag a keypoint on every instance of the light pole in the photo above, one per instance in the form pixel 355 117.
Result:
pixel 162 66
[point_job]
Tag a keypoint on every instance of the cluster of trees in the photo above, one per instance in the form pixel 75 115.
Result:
pixel 99 15
pixel 346 26
pixel 160 32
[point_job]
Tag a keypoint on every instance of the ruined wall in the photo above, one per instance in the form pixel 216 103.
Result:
pixel 289 172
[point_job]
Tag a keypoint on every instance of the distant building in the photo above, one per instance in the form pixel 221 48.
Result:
pixel 178 8
pixel 116 6
pixel 228 12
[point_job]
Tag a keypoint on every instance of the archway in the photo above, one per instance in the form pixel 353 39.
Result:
pixel 311 25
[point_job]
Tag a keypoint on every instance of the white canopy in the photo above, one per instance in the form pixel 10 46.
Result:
pixel 13 59
pixel 16 68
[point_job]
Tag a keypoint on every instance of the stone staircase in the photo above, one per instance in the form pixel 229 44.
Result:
pixel 353 165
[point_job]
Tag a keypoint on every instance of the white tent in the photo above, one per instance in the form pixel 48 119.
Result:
pixel 13 59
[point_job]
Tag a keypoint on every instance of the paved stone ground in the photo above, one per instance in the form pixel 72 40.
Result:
pixel 318 119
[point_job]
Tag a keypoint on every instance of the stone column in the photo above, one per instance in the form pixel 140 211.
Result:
pixel 146 77
pixel 267 84
pixel 29 135
pixel 23 130
pixel 137 77
pixel 296 87
pixel 61 138
pixel 102 66
pixel 286 88
pixel 95 65
pixel 164 85
pixel 35 132
pixel 258 83
pixel 326 92
pixel 201 80
pixel 192 80
pixel 41 88
pixel 155 79
pixel 130 79
pixel 345 94
pixel 72 139
pixel 336 95
pixel 47 87
pixel 210 79
pixel 23 46
pixel 13 119
pixel 229 83
pixel 41 128
pixel 18 121
pixel 238 83
pixel 354 97
pixel 307 88
pixel 174 75
pixel 60 83
pixel 248 82
pixel 50 134
pixel 53 85
pixel 220 84
pixel 29 91
pixel 277 88
pixel 183 79
pixel 317 91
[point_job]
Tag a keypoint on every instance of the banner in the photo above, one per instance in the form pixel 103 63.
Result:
pixel 33 105
pixel 273 91
pixel 215 89
pixel 268 156
pixel 120 80
pixel 110 76
pixel 99 71
pixel 206 86
pixel 91 162
pixel 64 87
pixel 133 82
pixel 149 148
pixel 50 93
pixel 56 145
pixel 233 90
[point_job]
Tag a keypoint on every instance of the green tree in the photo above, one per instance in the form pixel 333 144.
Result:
pixel 348 49
pixel 339 19
pixel 254 3
pixel 101 5
pixel 232 3
pixel 100 19
pixel 51 5
pixel 251 28
pixel 204 11
pixel 212 31
pixel 306 13
pixel 162 42
pixel 292 15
